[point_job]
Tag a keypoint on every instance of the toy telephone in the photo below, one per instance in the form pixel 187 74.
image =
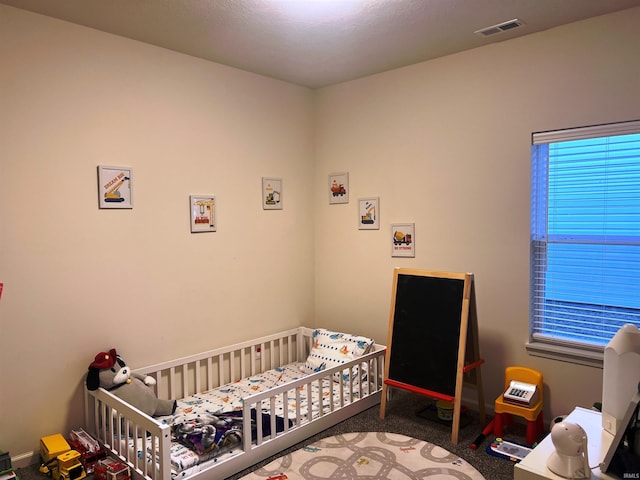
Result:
pixel 520 393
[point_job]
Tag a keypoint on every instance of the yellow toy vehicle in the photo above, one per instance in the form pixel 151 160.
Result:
pixel 69 467
pixel 59 460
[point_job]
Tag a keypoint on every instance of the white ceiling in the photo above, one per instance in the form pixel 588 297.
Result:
pixel 316 43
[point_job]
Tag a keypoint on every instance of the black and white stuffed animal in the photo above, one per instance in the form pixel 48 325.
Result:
pixel 110 372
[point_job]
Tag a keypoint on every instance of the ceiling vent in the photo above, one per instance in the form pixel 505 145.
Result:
pixel 499 28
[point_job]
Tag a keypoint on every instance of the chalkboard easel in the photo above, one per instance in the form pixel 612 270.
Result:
pixel 432 346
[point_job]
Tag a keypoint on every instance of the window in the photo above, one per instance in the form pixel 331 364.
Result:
pixel 585 239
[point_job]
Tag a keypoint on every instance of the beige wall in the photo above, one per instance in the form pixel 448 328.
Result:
pixel 79 280
pixel 445 144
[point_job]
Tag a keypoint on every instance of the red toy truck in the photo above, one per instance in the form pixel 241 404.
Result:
pixel 110 469
pixel 89 449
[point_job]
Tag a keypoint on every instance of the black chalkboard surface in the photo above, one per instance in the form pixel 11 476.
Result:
pixel 426 332
pixel 432 337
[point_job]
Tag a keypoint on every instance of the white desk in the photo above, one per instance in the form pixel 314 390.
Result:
pixel 534 465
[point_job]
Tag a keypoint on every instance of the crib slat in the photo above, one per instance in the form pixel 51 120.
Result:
pixel 284 354
pixel 172 382
pixel 272 413
pixel 285 401
pixel 259 432
pixel 141 463
pixel 321 395
pixel 131 431
pixel 289 350
pixel 298 417
pixel 105 414
pixel 118 432
pixel 260 358
pixel 246 426
pixel 196 387
pixel 159 382
pixel 221 377
pixel 253 359
pixel 209 374
pixel 185 387
pixel 243 364
pixel 232 366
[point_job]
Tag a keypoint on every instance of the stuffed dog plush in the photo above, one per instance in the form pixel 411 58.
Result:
pixel 110 372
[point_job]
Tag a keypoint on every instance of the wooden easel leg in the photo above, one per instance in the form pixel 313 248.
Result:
pixel 383 401
pixel 455 427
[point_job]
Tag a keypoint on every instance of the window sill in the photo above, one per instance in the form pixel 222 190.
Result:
pixel 565 353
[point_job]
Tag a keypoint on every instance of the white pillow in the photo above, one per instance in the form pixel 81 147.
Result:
pixel 331 349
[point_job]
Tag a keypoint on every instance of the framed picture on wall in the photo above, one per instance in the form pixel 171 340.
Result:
pixel 403 240
pixel 369 213
pixel 271 193
pixel 203 213
pixel 339 188
pixel 114 187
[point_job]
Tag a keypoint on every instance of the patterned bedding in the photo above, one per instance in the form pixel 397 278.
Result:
pixel 209 425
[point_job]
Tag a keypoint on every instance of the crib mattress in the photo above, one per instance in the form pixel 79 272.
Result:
pixel 205 409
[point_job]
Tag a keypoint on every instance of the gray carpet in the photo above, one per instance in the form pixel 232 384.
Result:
pixel 401 417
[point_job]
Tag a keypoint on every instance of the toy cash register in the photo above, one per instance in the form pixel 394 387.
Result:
pixel 520 393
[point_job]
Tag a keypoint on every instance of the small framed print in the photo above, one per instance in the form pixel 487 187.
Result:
pixel 203 213
pixel 403 240
pixel 271 193
pixel 339 188
pixel 114 187
pixel 369 213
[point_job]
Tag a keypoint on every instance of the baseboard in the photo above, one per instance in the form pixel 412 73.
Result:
pixel 472 403
pixel 25 459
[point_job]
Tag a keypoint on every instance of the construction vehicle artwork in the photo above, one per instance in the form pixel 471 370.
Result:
pixel 337 189
pixel 369 216
pixel 272 198
pixel 205 212
pixel 400 238
pixel 113 194
pixel 110 469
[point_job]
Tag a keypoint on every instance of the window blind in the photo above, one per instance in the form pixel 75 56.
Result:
pixel 585 233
